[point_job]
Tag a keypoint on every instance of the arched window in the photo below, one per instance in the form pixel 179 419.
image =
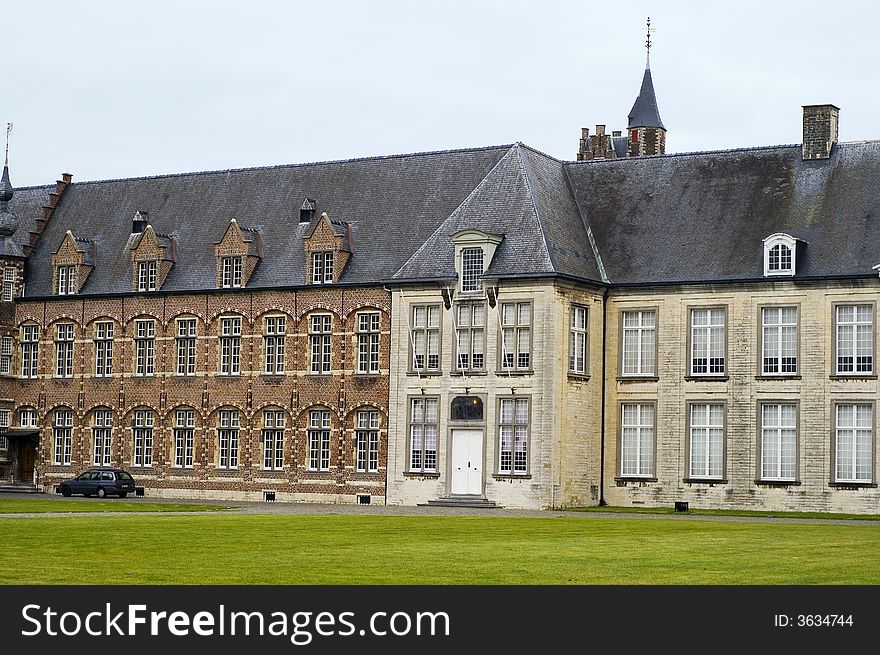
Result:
pixel 779 255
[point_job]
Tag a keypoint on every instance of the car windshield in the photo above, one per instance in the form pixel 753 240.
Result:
pixel 122 475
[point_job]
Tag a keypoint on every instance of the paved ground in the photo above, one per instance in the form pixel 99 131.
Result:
pixel 394 510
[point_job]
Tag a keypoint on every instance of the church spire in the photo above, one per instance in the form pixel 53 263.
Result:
pixel 647 132
pixel 8 222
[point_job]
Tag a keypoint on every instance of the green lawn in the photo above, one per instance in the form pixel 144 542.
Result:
pixel 343 549
pixel 41 505
pixel 729 512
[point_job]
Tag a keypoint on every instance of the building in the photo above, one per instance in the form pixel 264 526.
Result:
pixel 487 327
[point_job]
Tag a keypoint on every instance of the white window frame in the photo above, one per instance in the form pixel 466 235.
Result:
pixel 227 439
pixel 515 346
pixel 274 341
pixel 367 442
pixel 513 435
pixel 273 440
pixel 10 273
pixel 425 338
pixel 775 248
pixel 470 336
pixel 102 437
pixel 861 450
pixel 716 366
pixel 577 339
pixel 104 349
pixel 369 324
pixel 319 441
pixel 707 462
pixel 64 339
pixel 638 423
pixel 472 269
pixel 30 350
pixel 773 334
pixel 148 275
pixel 185 342
pixel 779 441
pixel 62 435
pixel 424 424
pixel 142 432
pixel 231 272
pixel 184 429
pixel 857 326
pixel 6 355
pixel 230 345
pixel 638 343
pixel 27 417
pixel 320 342
pixel 145 347
pixel 66 280
pixel 322 267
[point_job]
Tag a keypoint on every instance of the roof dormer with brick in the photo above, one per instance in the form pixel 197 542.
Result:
pixel 152 255
pixel 72 263
pixel 238 253
pixel 328 248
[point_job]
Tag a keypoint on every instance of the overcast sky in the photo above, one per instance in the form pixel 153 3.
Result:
pixel 113 89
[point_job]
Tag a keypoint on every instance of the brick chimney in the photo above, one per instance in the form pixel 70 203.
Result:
pixel 820 130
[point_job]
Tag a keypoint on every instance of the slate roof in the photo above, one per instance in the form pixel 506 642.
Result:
pixel 27 205
pixel 701 217
pixel 393 204
pixel 644 112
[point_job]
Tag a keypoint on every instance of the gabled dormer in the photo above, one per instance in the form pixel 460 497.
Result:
pixel 71 264
pixel 780 255
pixel 474 251
pixel 328 248
pixel 152 255
pixel 238 253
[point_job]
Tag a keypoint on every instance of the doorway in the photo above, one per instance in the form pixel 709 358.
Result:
pixel 467 462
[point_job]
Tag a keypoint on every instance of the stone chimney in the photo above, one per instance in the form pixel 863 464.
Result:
pixel 820 130
pixel 139 222
pixel 307 211
pixel 595 146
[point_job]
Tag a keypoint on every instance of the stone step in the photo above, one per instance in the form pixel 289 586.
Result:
pixel 20 488
pixel 476 502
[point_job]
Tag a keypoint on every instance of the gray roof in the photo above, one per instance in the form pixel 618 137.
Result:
pixel 702 216
pixel 393 204
pixel 644 112
pixel 27 204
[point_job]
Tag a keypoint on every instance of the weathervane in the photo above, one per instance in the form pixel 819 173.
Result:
pixel 8 132
pixel 648 43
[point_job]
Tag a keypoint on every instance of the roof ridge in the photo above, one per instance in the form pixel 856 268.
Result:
pixel 470 195
pixel 690 153
pixel 539 152
pixel 525 173
pixel 329 162
pixel 594 246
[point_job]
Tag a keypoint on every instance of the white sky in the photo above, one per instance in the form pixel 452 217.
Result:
pixel 112 89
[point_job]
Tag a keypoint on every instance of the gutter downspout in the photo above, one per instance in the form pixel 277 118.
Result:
pixel 602 502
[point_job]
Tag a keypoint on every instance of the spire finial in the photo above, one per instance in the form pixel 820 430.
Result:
pixel 8 132
pixel 648 43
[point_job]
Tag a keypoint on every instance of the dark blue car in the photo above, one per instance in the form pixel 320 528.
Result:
pixel 100 482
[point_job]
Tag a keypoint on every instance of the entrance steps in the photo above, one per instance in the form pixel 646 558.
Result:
pixel 475 502
pixel 20 488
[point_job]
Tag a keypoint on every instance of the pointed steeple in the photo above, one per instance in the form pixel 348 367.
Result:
pixel 647 134
pixel 8 222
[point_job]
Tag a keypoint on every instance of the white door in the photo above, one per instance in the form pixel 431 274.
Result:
pixel 467 462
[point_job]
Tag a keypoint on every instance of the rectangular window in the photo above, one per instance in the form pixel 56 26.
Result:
pixel 367 442
pixel 513 436
pixel 9 275
pixel 65 280
pixel 4 443
pixel 855 339
pixel 5 355
pixel 27 417
pixel 854 444
pixel 103 349
pixel 423 435
pixel 144 347
pixel 319 441
pixel 516 338
pixel 577 340
pixel 319 335
pixel 322 267
pixel 778 442
pixel 706 441
pixel 147 275
pixel 231 272
pixel 708 342
pixel 426 337
pixel 228 439
pixel 273 440
pixel 185 345
pixel 368 342
pixel 30 345
pixel 64 350
pixel 637 440
pixel 274 335
pixel 184 425
pixel 230 345
pixel 470 336
pixel 62 433
pixel 779 340
pixel 639 343
pixel 101 437
pixel 471 269
pixel 143 438
pixel 4 419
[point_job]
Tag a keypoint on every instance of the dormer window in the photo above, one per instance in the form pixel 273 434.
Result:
pixel 147 275
pixel 231 277
pixel 322 267
pixel 779 255
pixel 65 280
pixel 471 269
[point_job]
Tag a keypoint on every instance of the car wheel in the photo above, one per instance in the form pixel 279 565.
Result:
pixel 123 494
pixel 101 492
pixel 65 491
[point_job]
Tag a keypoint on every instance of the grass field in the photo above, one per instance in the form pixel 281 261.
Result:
pixel 41 506
pixel 729 512
pixel 344 549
